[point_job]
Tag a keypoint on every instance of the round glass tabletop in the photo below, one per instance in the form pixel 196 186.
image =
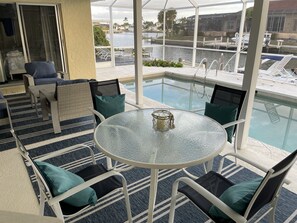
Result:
pixel 129 137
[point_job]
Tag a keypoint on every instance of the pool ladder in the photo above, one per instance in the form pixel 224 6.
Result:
pixel 218 65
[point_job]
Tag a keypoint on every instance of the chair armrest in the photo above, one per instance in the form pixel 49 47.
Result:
pixel 62 74
pixel 98 114
pixel 50 96
pixel 236 155
pixel 84 185
pixel 68 150
pixel 233 123
pixel 211 198
pixel 28 81
pixel 254 164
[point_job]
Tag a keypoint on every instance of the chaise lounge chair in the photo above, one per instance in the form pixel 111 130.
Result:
pixel 277 68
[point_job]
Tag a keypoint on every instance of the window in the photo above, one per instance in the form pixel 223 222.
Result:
pixel 276 23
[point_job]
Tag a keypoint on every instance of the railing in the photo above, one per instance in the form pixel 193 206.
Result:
pixel 124 55
pixel 203 63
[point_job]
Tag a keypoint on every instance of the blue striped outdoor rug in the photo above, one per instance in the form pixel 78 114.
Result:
pixel 38 136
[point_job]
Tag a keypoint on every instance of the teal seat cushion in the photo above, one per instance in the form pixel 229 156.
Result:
pixel 110 105
pixel 236 197
pixel 222 114
pixel 60 181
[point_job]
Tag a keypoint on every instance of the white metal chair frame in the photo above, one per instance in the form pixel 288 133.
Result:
pixel 278 67
pixel 235 123
pixel 47 197
pixel 224 207
pixel 110 165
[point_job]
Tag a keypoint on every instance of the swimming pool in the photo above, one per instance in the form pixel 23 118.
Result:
pixel 273 122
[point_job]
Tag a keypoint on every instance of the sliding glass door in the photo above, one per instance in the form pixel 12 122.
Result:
pixel 40 32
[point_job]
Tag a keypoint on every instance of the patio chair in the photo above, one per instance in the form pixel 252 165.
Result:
pixel 5 117
pixel 277 68
pixel 41 72
pixel 71 100
pixel 106 88
pixel 221 103
pixel 223 201
pixel 66 193
pixel 103 54
pixel 225 107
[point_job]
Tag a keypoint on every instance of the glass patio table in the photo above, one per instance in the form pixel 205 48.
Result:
pixel 130 138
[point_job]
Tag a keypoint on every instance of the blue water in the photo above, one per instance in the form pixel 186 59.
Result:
pixel 273 122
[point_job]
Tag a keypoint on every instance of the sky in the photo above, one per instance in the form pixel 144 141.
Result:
pixel 102 13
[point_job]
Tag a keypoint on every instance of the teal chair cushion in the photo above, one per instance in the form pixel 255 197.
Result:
pixel 110 105
pixel 236 197
pixel 60 181
pixel 222 114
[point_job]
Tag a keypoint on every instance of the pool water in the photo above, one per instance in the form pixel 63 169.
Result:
pixel 273 122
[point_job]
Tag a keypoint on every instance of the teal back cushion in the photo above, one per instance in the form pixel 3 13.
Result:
pixel 236 197
pixel 222 114
pixel 110 105
pixel 60 181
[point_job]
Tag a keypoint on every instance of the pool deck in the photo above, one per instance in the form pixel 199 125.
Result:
pixel 255 150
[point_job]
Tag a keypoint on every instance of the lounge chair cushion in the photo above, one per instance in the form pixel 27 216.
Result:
pixel 222 114
pixel 236 197
pixel 110 105
pixel 61 180
pixel 67 82
pixel 41 69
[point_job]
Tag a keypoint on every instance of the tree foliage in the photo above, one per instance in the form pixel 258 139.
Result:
pixel 148 24
pixel 100 37
pixel 180 26
pixel 170 18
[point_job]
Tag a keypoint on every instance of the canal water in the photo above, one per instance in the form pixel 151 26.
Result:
pixel 126 40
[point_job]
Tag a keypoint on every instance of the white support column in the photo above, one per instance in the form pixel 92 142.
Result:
pixel 195 36
pixel 137 16
pixel 164 34
pixel 259 22
pixel 242 21
pixel 111 37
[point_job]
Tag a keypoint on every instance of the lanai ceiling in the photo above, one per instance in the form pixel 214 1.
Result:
pixel 165 4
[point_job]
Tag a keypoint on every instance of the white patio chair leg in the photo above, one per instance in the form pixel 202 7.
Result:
pixel 173 201
pixel 271 214
pixel 127 201
pixel 58 212
pixel 41 204
pixel 109 163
